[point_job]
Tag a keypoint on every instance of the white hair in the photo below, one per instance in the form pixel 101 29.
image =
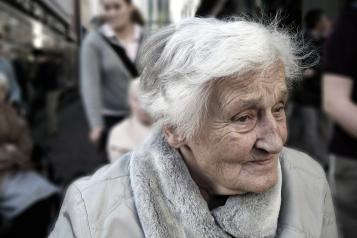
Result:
pixel 179 60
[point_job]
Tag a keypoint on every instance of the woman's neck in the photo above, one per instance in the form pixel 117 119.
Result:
pixel 214 195
pixel 125 33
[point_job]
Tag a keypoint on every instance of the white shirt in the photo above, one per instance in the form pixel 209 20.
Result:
pixel 126 136
pixel 131 47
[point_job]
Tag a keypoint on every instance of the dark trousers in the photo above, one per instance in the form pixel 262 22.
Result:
pixel 35 221
pixel 310 131
pixel 110 122
pixel 343 181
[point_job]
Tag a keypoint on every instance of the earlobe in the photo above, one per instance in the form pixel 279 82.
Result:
pixel 173 138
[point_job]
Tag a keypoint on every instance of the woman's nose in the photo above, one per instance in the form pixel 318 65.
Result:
pixel 269 138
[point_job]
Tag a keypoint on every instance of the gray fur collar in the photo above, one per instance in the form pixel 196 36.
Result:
pixel 169 203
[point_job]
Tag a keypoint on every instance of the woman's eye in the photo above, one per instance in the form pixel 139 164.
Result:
pixel 243 119
pixel 245 122
pixel 116 6
pixel 279 111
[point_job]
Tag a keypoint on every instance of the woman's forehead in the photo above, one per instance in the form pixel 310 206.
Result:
pixel 253 83
pixel 259 97
pixel 255 90
pixel 106 2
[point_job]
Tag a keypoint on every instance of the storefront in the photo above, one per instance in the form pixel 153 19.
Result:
pixel 29 26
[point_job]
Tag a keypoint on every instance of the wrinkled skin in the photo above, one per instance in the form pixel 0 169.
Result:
pixel 237 148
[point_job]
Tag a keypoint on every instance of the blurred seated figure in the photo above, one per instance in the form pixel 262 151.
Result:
pixel 131 132
pixel 215 163
pixel 26 198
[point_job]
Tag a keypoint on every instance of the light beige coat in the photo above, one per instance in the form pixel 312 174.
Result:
pixel 103 206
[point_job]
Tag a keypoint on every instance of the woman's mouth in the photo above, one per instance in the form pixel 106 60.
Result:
pixel 263 161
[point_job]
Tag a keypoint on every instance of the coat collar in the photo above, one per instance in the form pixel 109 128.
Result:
pixel 303 211
pixel 108 31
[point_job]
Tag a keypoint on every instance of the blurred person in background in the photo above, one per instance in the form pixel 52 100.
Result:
pixel 309 126
pixel 46 82
pixel 340 103
pixel 8 71
pixel 96 22
pixel 215 164
pixel 108 64
pixel 21 67
pixel 26 198
pixel 131 132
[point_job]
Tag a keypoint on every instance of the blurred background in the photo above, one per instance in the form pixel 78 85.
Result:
pixel 56 27
pixel 40 42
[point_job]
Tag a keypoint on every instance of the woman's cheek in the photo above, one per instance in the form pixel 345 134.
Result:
pixel 242 144
pixel 283 131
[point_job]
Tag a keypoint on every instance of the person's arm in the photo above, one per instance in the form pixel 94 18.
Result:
pixel 12 156
pixel 91 88
pixel 7 154
pixel 17 151
pixel 73 220
pixel 337 102
pixel 15 91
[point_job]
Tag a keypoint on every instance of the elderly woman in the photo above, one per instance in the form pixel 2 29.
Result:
pixel 215 165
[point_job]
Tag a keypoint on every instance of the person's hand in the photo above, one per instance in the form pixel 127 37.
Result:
pixel 10 147
pixel 7 163
pixel 96 134
pixel 309 73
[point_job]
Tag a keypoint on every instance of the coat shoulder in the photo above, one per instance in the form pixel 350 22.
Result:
pixel 307 208
pixel 294 160
pixel 107 189
pixel 93 38
pixel 101 203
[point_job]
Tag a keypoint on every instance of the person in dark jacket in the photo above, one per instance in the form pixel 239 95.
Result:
pixel 46 81
pixel 309 126
pixel 340 103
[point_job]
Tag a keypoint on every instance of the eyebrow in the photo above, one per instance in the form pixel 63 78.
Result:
pixel 251 103
pixel 257 101
pixel 283 94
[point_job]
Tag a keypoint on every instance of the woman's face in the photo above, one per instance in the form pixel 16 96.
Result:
pixel 238 147
pixel 117 13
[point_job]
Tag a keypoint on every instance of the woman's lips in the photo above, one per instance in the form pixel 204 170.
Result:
pixel 263 161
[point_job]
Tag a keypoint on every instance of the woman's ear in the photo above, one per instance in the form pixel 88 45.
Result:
pixel 173 138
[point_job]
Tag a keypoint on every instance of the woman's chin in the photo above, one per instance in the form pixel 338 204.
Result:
pixel 249 185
